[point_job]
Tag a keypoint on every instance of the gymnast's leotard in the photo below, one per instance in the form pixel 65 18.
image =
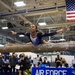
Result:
pixel 38 39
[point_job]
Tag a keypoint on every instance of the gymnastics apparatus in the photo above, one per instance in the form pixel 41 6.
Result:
pixel 38 45
pixel 39 48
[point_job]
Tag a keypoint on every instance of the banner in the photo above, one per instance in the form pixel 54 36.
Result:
pixel 53 71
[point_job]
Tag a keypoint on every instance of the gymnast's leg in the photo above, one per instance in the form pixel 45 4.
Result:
pixel 29 43
pixel 45 42
pixel 16 44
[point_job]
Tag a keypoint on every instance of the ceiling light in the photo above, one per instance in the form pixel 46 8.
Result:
pixel 62 40
pixel 19 3
pixel 4 27
pixel 42 23
pixel 21 35
pixel 3 20
pixel 1 46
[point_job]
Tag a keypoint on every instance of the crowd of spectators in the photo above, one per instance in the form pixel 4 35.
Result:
pixel 10 64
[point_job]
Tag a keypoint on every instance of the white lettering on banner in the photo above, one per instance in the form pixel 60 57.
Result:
pixel 51 72
pixel 64 72
pixel 56 72
pixel 47 72
pixel 39 72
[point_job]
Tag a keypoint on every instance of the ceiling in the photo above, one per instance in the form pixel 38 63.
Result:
pixel 53 12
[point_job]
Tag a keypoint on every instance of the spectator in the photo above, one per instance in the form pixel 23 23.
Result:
pixel 45 63
pixel 6 65
pixel 13 61
pixel 73 61
pixel 58 60
pixel 31 61
pixel 25 63
pixel 64 63
pixel 1 63
pixel 36 60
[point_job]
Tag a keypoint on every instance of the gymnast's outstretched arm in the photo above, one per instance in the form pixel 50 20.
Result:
pixel 53 33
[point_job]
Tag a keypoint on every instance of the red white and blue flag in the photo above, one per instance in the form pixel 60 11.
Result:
pixel 70 10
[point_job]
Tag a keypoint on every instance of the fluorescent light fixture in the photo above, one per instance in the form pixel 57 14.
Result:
pixel 21 35
pixel 4 27
pixel 42 23
pixel 3 20
pixel 1 46
pixel 19 3
pixel 62 40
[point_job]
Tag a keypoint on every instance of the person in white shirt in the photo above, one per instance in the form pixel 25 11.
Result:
pixel 73 61
pixel 36 60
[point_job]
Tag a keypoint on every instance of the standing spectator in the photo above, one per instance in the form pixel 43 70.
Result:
pixel 1 63
pixel 6 65
pixel 73 61
pixel 25 63
pixel 3 66
pixel 58 60
pixel 19 62
pixel 40 59
pixel 30 59
pixel 13 61
pixel 37 60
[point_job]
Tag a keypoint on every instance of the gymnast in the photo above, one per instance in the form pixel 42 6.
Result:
pixel 35 36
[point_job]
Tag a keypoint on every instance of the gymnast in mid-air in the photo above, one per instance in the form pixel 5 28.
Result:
pixel 35 36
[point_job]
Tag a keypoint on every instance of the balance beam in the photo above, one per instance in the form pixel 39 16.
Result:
pixel 39 48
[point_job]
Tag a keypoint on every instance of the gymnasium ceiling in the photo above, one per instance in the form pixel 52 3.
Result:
pixel 53 12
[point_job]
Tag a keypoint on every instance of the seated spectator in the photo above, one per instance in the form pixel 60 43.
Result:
pixel 45 63
pixel 64 63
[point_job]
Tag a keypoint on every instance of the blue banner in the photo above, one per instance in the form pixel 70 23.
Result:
pixel 53 71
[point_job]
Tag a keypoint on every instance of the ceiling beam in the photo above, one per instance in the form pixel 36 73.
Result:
pixel 34 13
pixel 57 25
pixel 19 15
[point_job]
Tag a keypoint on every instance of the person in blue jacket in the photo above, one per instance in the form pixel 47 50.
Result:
pixel 35 36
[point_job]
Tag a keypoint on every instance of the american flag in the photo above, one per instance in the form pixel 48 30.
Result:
pixel 70 10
